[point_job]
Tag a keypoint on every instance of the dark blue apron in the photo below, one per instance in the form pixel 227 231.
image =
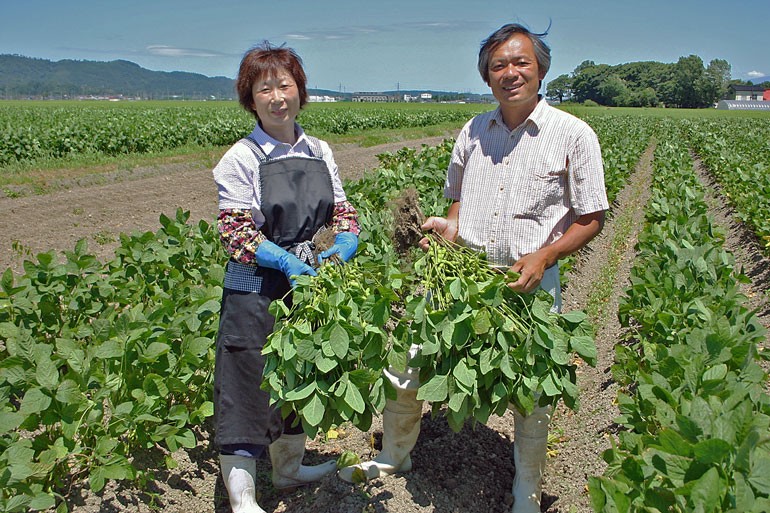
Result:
pixel 297 200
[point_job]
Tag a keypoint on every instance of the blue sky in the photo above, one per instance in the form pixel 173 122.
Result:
pixel 373 46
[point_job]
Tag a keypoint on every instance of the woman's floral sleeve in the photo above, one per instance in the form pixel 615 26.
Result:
pixel 239 235
pixel 345 218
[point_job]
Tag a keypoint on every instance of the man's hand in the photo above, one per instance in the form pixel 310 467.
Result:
pixel 440 226
pixel 531 267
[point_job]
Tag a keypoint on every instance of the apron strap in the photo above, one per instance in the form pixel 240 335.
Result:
pixel 256 148
pixel 314 143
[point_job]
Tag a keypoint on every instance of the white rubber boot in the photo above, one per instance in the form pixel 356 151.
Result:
pixel 400 429
pixel 400 426
pixel 286 455
pixel 238 473
pixel 530 441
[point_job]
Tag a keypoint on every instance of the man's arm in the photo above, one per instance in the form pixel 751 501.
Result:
pixel 533 265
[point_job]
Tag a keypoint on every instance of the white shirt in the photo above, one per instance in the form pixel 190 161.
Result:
pixel 237 173
pixel 519 190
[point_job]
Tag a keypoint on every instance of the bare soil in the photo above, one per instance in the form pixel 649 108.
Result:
pixel 467 472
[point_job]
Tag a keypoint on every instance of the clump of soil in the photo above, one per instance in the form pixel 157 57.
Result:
pixel 322 240
pixel 407 220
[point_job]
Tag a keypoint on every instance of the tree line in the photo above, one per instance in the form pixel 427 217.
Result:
pixel 688 83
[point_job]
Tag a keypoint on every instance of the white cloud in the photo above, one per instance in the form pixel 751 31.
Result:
pixel 173 51
pixel 755 74
pixel 335 33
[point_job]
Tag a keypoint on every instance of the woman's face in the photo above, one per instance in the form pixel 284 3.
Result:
pixel 276 101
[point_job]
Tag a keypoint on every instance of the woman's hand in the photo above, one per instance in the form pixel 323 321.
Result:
pixel 345 245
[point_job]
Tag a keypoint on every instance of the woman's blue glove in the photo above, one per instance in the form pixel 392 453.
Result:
pixel 270 254
pixel 345 245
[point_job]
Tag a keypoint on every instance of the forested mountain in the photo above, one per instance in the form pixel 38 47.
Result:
pixel 25 77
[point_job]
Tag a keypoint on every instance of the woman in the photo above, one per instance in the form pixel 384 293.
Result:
pixel 277 188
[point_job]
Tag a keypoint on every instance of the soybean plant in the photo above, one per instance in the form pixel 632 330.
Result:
pixel 325 357
pixel 485 347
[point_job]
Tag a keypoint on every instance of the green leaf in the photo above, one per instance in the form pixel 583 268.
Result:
pixel 354 399
pixel 97 479
pixel 313 411
pixel 464 375
pixel 69 392
pixel 481 323
pixel 34 401
pixel 42 501
pixel 585 347
pixel 715 373
pixel 301 392
pixel 551 386
pixel 435 390
pixel 759 476
pixel 672 442
pixel 155 385
pixel 706 490
pixel 397 359
pixel 186 438
pixel 712 451
pixel 456 401
pixel 456 289
pixel 10 421
pixel 324 364
pixel 109 349
pixel 154 351
pixel 46 373
pixel 339 340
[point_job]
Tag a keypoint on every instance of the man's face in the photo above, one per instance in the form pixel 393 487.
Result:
pixel 514 75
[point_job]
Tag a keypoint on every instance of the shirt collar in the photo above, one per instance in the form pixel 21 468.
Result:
pixel 269 144
pixel 536 117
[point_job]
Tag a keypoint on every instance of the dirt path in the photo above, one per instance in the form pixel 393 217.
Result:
pixel 133 202
pixel 584 434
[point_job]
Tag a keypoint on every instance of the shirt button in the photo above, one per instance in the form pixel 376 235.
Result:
pixel 495 214
pixel 506 162
pixel 502 188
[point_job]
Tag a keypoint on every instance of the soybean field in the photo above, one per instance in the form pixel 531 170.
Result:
pixel 107 364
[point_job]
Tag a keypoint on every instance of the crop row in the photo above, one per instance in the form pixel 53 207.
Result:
pixel 694 414
pixel 737 154
pixel 32 132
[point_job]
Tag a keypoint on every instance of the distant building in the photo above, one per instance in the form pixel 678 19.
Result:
pixel 326 99
pixel 372 97
pixel 743 105
pixel 745 92
pixel 422 97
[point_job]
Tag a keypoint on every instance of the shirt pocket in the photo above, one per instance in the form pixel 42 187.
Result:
pixel 537 190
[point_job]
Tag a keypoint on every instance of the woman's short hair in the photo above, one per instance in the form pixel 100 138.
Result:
pixel 503 34
pixel 266 60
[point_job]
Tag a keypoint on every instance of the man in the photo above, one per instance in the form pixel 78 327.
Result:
pixel 527 184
